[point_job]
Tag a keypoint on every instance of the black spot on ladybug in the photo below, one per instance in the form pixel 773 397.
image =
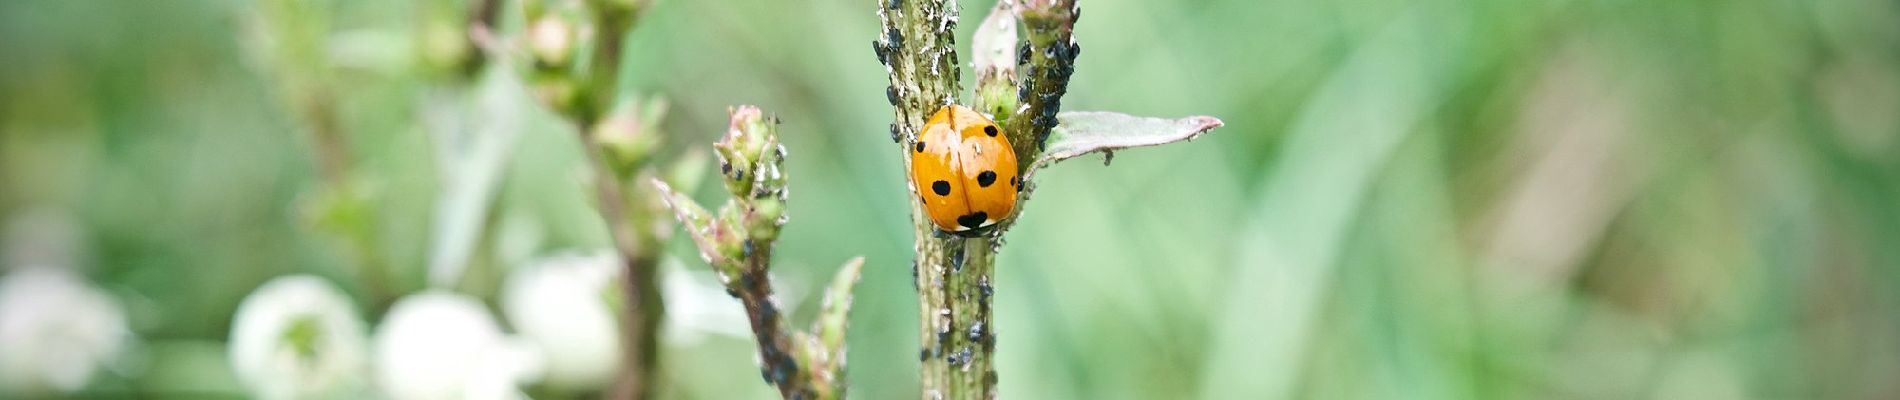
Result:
pixel 1016 181
pixel 986 178
pixel 919 146
pixel 973 220
pixel 989 130
pixel 941 187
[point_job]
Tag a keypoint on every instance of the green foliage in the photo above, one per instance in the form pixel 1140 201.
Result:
pixel 1519 199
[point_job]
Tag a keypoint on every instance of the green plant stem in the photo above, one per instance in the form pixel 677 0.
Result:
pixel 738 245
pixel 483 13
pixel 603 81
pixel 952 273
pixel 629 212
pixel 1047 60
pixel 645 310
pixel 954 293
pixel 778 352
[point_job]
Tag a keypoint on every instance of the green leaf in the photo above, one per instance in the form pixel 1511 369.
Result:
pixel 828 357
pixel 836 310
pixel 710 234
pixel 1083 132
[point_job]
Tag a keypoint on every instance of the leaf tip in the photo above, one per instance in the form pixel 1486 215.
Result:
pixel 1207 123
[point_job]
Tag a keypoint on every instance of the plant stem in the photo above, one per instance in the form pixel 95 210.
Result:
pixel 629 211
pixel 953 290
pixel 1047 60
pixel 953 274
pixel 645 311
pixel 776 348
pixel 738 245
pixel 603 80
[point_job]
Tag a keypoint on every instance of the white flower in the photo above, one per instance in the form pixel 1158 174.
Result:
pixel 561 305
pixel 297 337
pixel 56 331
pixel 697 306
pixel 440 345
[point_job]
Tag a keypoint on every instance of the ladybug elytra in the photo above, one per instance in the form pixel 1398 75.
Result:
pixel 964 170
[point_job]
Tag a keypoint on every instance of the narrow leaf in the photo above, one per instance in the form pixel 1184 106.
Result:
pixel 1083 132
pixel 705 230
pixel 836 310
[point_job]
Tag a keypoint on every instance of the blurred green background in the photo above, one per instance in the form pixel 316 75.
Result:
pixel 1410 199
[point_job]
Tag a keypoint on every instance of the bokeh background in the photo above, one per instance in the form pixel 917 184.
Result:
pixel 1410 199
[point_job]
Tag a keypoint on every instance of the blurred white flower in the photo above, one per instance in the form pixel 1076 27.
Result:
pixel 440 345
pixel 56 331
pixel 567 305
pixel 297 337
pixel 561 305
pixel 698 307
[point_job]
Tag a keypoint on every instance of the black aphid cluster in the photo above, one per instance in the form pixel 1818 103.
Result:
pixel 1043 88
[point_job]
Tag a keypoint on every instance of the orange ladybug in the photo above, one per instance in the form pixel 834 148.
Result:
pixel 964 170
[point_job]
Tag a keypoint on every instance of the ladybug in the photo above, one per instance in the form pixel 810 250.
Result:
pixel 964 170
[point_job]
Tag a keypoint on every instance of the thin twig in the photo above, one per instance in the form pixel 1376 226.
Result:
pixel 738 244
pixel 638 249
pixel 645 311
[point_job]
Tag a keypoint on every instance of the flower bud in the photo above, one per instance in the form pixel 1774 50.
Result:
pixel 748 135
pixel 768 215
pixel 629 135
pixel 443 45
pixel 558 91
pixel 551 40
